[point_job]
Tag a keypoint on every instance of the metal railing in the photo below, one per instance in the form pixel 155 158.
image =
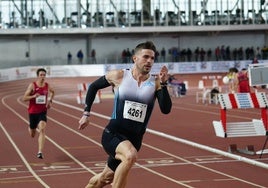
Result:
pixel 117 13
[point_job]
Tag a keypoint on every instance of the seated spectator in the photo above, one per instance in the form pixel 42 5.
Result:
pixel 177 88
pixel 213 94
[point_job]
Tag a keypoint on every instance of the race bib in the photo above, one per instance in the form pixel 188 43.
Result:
pixel 135 111
pixel 40 99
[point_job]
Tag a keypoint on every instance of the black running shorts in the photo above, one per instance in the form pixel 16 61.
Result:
pixel 110 141
pixel 36 118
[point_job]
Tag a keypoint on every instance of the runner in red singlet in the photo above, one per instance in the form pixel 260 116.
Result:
pixel 40 95
pixel 243 81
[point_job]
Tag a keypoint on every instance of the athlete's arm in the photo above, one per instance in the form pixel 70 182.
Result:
pixel 100 83
pixel 112 78
pixel 93 89
pixel 164 99
pixel 162 93
pixel 52 93
pixel 51 96
pixel 28 93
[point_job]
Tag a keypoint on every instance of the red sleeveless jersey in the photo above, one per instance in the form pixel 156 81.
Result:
pixel 38 104
pixel 243 86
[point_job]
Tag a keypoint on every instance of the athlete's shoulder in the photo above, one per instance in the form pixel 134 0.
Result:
pixel 32 85
pixel 114 77
pixel 115 74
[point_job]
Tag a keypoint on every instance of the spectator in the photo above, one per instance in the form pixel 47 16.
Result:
pixel 217 53
pixel 163 54
pixel 156 57
pixel 124 56
pixel 93 56
pixel 240 53
pixel 255 60
pixel 189 55
pixel 247 53
pixel 213 94
pixel 80 56
pixel 202 55
pixel 251 52
pixel 69 58
pixel 228 53
pixel 196 54
pixel 128 56
pixel 183 55
pixel 175 54
pixel 258 53
pixel 209 54
pixel 235 52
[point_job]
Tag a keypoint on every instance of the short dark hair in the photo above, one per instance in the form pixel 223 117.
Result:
pixel 40 70
pixel 233 69
pixel 145 45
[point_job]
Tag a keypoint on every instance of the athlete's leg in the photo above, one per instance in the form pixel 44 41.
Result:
pixel 42 136
pixel 101 179
pixel 127 153
pixel 32 132
pixel 33 124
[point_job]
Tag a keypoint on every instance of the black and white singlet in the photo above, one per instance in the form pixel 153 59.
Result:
pixel 133 105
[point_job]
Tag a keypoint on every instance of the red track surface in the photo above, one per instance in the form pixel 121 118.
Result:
pixel 165 161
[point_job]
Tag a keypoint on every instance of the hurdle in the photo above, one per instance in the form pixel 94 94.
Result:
pixel 82 91
pixel 257 127
pixel 238 101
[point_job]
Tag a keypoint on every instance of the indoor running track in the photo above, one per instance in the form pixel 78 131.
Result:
pixel 179 149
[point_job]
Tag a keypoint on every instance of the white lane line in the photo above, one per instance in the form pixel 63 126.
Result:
pixel 58 146
pixel 213 150
pixel 204 167
pixel 193 144
pixel 48 138
pixel 97 143
pixel 187 142
pixel 23 158
pixel 106 117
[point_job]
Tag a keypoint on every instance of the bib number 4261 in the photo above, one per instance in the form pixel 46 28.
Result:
pixel 135 111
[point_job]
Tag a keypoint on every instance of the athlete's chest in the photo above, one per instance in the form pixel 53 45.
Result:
pixel 130 89
pixel 42 90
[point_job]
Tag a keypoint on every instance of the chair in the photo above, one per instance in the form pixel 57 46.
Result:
pixel 200 95
pixel 205 94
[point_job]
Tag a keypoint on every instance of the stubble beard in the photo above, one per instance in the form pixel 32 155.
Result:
pixel 145 70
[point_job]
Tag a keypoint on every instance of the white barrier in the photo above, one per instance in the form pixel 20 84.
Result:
pixel 240 129
pixel 82 91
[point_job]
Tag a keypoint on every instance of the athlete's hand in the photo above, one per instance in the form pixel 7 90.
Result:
pixel 49 104
pixel 36 95
pixel 83 122
pixel 163 74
